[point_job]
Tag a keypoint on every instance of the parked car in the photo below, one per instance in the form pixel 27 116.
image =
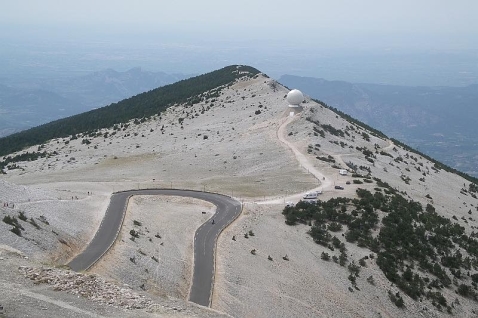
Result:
pixel 312 195
pixel 339 187
pixel 348 182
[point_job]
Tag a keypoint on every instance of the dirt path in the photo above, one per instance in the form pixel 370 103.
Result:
pixel 390 146
pixel 325 181
pixel 28 298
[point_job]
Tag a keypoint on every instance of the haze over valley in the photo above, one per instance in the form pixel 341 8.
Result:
pixel 31 102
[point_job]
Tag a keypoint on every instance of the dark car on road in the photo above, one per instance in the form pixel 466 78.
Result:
pixel 339 187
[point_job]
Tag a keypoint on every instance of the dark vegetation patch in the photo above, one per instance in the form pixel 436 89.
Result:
pixel 13 221
pixel 418 250
pixel 10 161
pixel 333 131
pixel 326 159
pixel 437 165
pixel 140 106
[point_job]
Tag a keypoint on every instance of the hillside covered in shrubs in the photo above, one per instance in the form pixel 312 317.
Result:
pixel 418 250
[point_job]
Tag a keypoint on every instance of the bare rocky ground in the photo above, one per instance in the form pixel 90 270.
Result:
pixel 33 290
pixel 160 260
pixel 241 144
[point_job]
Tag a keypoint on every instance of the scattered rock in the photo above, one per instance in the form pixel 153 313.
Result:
pixel 88 286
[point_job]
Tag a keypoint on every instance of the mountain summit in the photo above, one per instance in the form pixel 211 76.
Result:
pixel 391 232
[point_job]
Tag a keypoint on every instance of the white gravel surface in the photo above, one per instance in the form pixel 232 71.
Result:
pixel 244 156
pixel 163 253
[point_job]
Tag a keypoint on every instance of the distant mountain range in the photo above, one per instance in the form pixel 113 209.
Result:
pixel 28 104
pixel 24 108
pixel 439 121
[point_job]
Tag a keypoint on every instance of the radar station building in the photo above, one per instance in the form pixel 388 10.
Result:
pixel 294 98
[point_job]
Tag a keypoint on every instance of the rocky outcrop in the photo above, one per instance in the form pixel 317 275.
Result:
pixel 89 286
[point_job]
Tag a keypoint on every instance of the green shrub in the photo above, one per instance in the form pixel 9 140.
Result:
pixel 370 280
pixel 34 223
pixel 396 299
pixel 10 220
pixel 354 269
pixel 16 231
pixel 342 259
pixel 335 227
pixel 22 216
pixel 467 291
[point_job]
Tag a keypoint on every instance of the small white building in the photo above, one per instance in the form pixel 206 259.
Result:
pixel 294 98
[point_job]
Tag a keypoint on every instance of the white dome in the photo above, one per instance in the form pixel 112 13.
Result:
pixel 295 97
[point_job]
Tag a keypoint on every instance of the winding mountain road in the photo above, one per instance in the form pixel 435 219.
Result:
pixel 205 237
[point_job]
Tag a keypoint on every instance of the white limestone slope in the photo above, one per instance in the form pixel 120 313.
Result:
pixel 241 144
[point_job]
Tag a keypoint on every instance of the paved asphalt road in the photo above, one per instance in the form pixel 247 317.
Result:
pixel 204 240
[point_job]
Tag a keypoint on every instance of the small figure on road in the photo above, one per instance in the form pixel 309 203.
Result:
pixel 213 222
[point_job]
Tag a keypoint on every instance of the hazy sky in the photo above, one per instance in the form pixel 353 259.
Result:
pixel 406 42
pixel 432 23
